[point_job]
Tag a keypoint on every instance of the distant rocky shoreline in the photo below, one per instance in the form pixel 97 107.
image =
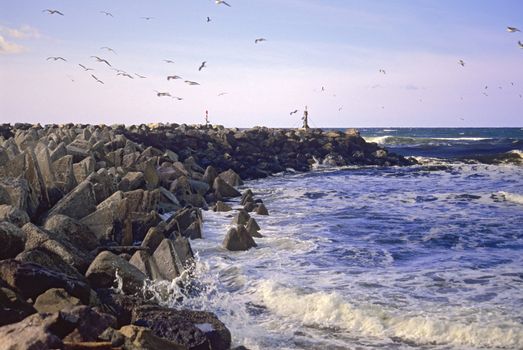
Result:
pixel 82 225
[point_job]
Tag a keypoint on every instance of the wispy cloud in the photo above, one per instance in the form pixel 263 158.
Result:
pixel 24 32
pixel 7 47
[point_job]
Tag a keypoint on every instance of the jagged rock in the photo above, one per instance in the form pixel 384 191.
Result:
pixel 153 238
pixel 192 329
pixel 132 181
pixel 65 180
pixel 185 217
pixel 241 218
pixel 238 238
pixel 13 215
pixel 72 230
pixel 12 240
pixel 194 231
pixel 221 207
pixel 152 180
pixel 31 333
pixel 54 300
pixel 59 152
pixel 249 207
pixel 50 260
pixel 31 280
pixel 79 149
pixel 144 262
pixel 209 175
pixel 78 203
pixel 102 273
pixel 231 178
pixel 12 307
pixel 253 228
pixel 84 168
pixel 143 338
pixel 261 209
pixel 223 189
pixel 88 324
pixel 119 305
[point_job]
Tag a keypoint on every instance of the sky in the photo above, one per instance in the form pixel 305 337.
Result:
pixel 353 63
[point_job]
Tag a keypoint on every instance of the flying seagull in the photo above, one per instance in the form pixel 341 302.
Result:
pixel 56 58
pixel 323 88
pixel 162 94
pixel 520 44
pixel 339 109
pixel 98 59
pixel 107 13
pixel 125 75
pixel 462 63
pixel 382 71
pixel 173 77
pixel 140 76
pixel 202 66
pixel 177 98
pixel 293 112
pixel 220 2
pixel 191 82
pixel 259 40
pixel 108 49
pixel 147 18
pixel 208 19
pixel 95 78
pixel 168 61
pixel 85 68
pixel 513 29
pixel 52 12
pixel 222 93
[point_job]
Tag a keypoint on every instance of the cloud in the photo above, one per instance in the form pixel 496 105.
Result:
pixel 7 47
pixel 24 32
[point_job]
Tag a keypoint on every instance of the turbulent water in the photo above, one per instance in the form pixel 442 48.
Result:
pixel 428 256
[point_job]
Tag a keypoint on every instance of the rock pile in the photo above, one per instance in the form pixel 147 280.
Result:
pixel 83 223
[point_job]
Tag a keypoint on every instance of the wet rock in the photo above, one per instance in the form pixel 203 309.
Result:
pixel 253 228
pixel 12 240
pixel 192 329
pixel 119 305
pixel 102 273
pixel 31 280
pixel 261 209
pixel 54 300
pixel 153 238
pixel 12 307
pixel 221 207
pixel 249 207
pixel 223 189
pixel 88 324
pixel 231 178
pixel 143 338
pixel 194 231
pixel 209 175
pixel 237 239
pixel 241 218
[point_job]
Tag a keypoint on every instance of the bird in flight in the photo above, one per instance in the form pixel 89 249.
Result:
pixel 520 44
pixel 98 59
pixel 202 66
pixel 191 82
pixel 108 49
pixel 222 93
pixel 56 58
pixel 513 29
pixel 95 78
pixel 168 61
pixel 208 19
pixel 162 94
pixel 484 93
pixel 259 40
pixel 124 74
pixel 140 76
pixel 323 88
pixel 293 112
pixel 147 18
pixel 462 63
pixel 221 2
pixel 339 109
pixel 382 71
pixel 177 98
pixel 107 13
pixel 85 68
pixel 53 12
pixel 173 77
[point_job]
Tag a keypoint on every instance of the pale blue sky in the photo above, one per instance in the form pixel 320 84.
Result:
pixel 338 44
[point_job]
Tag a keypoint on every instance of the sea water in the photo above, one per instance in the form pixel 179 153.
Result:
pixel 428 256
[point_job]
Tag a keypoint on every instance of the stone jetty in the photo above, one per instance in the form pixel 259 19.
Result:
pixel 89 214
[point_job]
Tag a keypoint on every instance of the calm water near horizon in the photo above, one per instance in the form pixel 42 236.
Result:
pixel 422 257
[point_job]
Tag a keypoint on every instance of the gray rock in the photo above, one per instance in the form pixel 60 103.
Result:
pixel 88 324
pixel 31 333
pixel 54 300
pixel 13 215
pixel 253 228
pixel 231 178
pixel 194 231
pixel 73 231
pixel 223 189
pixel 102 273
pixel 79 203
pixel 143 338
pixel 49 260
pixel 59 152
pixel 166 260
pixel 64 174
pixel 237 239
pixel 261 209
pixel 241 218
pixel 221 207
pixel 210 174
pixel 131 181
pixel 153 238
pixel 84 168
pixel 79 149
pixel 12 240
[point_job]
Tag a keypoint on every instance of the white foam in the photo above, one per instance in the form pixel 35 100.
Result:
pixel 205 327
pixel 512 197
pixel 518 152
pixel 378 139
pixel 331 310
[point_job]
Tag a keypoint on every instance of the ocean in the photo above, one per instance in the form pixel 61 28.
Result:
pixel 428 256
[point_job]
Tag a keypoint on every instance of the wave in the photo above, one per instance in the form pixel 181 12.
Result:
pixel 391 140
pixel 511 157
pixel 510 197
pixel 331 310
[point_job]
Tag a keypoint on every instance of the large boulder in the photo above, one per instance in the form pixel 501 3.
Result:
pixel 192 329
pixel 30 280
pixel 34 332
pixel 143 338
pixel 223 189
pixel 241 218
pixel 79 149
pixel 231 178
pixel 109 268
pixel 54 300
pixel 13 215
pixel 131 181
pixel 88 324
pixel 253 228
pixel 72 230
pixel 12 240
pixel 65 180
pixel 119 305
pixel 237 239
pixel 12 307
pixel 221 207
pixel 50 260
pixel 78 203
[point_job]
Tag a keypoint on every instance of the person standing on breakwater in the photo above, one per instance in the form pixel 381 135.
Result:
pixel 305 119
pixel 206 118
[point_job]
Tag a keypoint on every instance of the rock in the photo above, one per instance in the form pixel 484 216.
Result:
pixel 231 178
pixel 31 333
pixel 152 180
pixel 132 181
pixel 247 196
pixel 221 207
pixel 78 203
pixel 192 329
pixel 119 305
pixel 168 263
pixel 65 180
pixel 170 196
pixel 261 209
pixel 12 307
pixel 54 300
pixel 194 231
pixel 89 324
pixel 249 207
pixel 79 149
pixel 102 273
pixel 59 152
pixel 253 228
pixel 209 175
pixel 12 240
pixel 185 217
pixel 153 238
pixel 238 238
pixel 50 260
pixel 13 215
pixel 31 280
pixel 223 189
pixel 144 262
pixel 143 338
pixel 84 168
pixel 74 231
pixel 241 218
